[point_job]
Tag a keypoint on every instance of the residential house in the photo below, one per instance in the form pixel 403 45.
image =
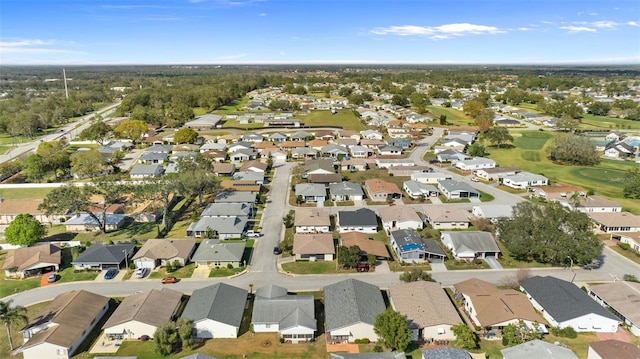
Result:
pixel 470 244
pixel 632 239
pixel 596 204
pixel 252 137
pixel 390 151
pixel 142 313
pixel 100 256
pixel 351 307
pixel 218 156
pixel 492 308
pixel 247 185
pixel 445 353
pixel 454 189
pixel 292 316
pixel 429 318
pixel 523 180
pixel 304 153
pixel 153 158
pixel 564 304
pixel 325 135
pixel 224 169
pixel 158 252
pixel 11 208
pixel 221 227
pixel 417 190
pixel 355 164
pixel 255 177
pixel 451 155
pixel 205 122
pixel 430 177
pixel 210 145
pixel 277 137
pixel 320 166
pixel 242 155
pixel 277 156
pixel 615 221
pixel 346 191
pixel 411 247
pixel 621 298
pixel 228 210
pixel 301 136
pixel 446 217
pixel 317 144
pixel 254 166
pixel 492 212
pixel 373 144
pixel 496 173
pixel 325 179
pixel 400 143
pixel 537 349
pixel 241 145
pixel 360 152
pixel 216 310
pixel 394 162
pixel 399 217
pixel 59 330
pixel 335 151
pixel 379 190
pixel 367 245
pixel 612 349
pixel 146 171
pixel 313 246
pixel 291 145
pixel 344 134
pixel 214 254
pixel 361 220
pixel 371 135
pixel 312 220
pixel 391 355
pixel 29 261
pixel 158 149
pixel 475 163
pixel 311 192
pixel 235 197
pixel 85 223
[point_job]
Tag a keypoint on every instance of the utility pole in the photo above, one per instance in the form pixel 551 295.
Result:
pixel 66 90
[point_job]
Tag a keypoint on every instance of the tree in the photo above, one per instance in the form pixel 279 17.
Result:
pixel 414 275
pixel 185 331
pixel 195 177
pixel 498 136
pixel 12 315
pixel 186 135
pixel 567 123
pixel 484 119
pixel 392 330
pixel 632 186
pixel 476 150
pixel 131 129
pixel 599 108
pixel 88 164
pixel 166 338
pixel 465 337
pixel 518 333
pixel 399 100
pixel 473 108
pixel 54 156
pixel 78 200
pixel 549 234
pixel 572 149
pixel 24 230
pixel 34 168
pixel 161 189
pixel 98 131
pixel 349 257
pixel 443 120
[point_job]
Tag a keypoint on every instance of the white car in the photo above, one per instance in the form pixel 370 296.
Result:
pixel 475 179
pixel 141 272
pixel 252 234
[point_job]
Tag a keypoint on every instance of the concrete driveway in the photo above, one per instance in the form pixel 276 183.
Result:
pixel 201 272
pixel 493 263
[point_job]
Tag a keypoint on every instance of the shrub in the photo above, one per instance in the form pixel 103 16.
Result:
pixel 229 266
pixel 567 332
pixel 362 341
pixel 377 348
pixel 630 278
pixel 624 246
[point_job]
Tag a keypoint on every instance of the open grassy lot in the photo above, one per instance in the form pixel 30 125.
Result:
pixel 591 122
pixel 24 193
pixel 318 267
pixel 454 117
pixel 606 178
pixel 343 118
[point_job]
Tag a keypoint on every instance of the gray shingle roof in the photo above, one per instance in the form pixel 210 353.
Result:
pixel 219 302
pixel 351 301
pixel 99 253
pixel 274 305
pixel 561 299
pixel 226 209
pixel 367 356
pixel 474 240
pixel 445 353
pixel 359 217
pixel 235 197
pixel 154 307
pixel 213 250
pixel 537 349
pixel 346 189
pixel 311 189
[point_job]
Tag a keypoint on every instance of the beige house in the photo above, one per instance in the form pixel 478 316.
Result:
pixel 142 313
pixel 313 246
pixel 159 252
pixel 399 217
pixel 312 220
pixel 446 217
pixel 59 330
pixel 430 313
pixel 29 261
pixel 615 221
pixel 10 208
pixel 379 190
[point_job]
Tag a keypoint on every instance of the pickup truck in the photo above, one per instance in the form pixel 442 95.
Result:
pixel 252 234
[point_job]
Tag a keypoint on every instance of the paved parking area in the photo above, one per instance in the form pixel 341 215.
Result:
pixel 493 263
pixel 201 272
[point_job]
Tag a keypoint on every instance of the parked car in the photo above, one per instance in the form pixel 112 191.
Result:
pixel 362 267
pixel 111 273
pixel 141 272
pixel 276 251
pixel 52 277
pixel 475 179
pixel 252 234
pixel 144 338
pixel 169 280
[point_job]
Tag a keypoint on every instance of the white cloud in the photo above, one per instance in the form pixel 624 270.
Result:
pixel 31 46
pixel 262 14
pixel 633 23
pixel 437 32
pixel 578 29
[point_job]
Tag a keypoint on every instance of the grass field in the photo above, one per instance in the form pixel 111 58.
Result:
pixel 591 122
pixel 529 154
pixel 24 193
pixel 454 117
pixel 343 118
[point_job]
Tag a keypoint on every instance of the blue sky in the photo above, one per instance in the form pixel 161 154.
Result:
pixel 314 31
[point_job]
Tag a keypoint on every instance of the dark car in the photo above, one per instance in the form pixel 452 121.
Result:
pixel 111 273
pixel 276 251
pixel 169 280
pixel 362 267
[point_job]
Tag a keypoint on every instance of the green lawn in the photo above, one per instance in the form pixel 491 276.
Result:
pixel 604 123
pixel 462 265
pixel 182 272
pixel 15 332
pixel 68 275
pixel 343 118
pixel 318 267
pixel 530 140
pixel 454 117
pixel 24 193
pixel 224 272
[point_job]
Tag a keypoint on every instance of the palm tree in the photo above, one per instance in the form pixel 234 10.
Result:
pixel 9 315
pixel 575 199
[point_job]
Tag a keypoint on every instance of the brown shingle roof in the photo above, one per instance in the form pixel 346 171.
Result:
pixel 73 312
pixel 369 246
pixel 376 185
pixel 153 307
pixel 166 248
pixel 18 206
pixel 445 214
pixel 256 164
pixel 615 219
pixel 320 243
pixel 311 217
pixel 22 258
pixel 424 303
pixel 398 213
pixel 615 349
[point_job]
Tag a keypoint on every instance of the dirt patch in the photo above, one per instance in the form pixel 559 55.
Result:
pixel 255 346
pixel 621 335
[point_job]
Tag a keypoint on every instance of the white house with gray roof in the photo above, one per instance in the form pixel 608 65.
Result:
pixel 205 122
pixel 214 254
pixel 216 310
pixel 225 227
pixel 492 211
pixel 228 210
pixel 346 191
pixel 417 189
pixel 411 247
pixel 470 244
pixel 537 349
pixel 475 163
pixel 145 171
pixel 351 307
pixel 292 316
pixel 454 189
pixel 361 220
pixel 522 180
pixel 311 192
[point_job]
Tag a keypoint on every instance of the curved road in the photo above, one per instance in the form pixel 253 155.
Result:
pixel 263 269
